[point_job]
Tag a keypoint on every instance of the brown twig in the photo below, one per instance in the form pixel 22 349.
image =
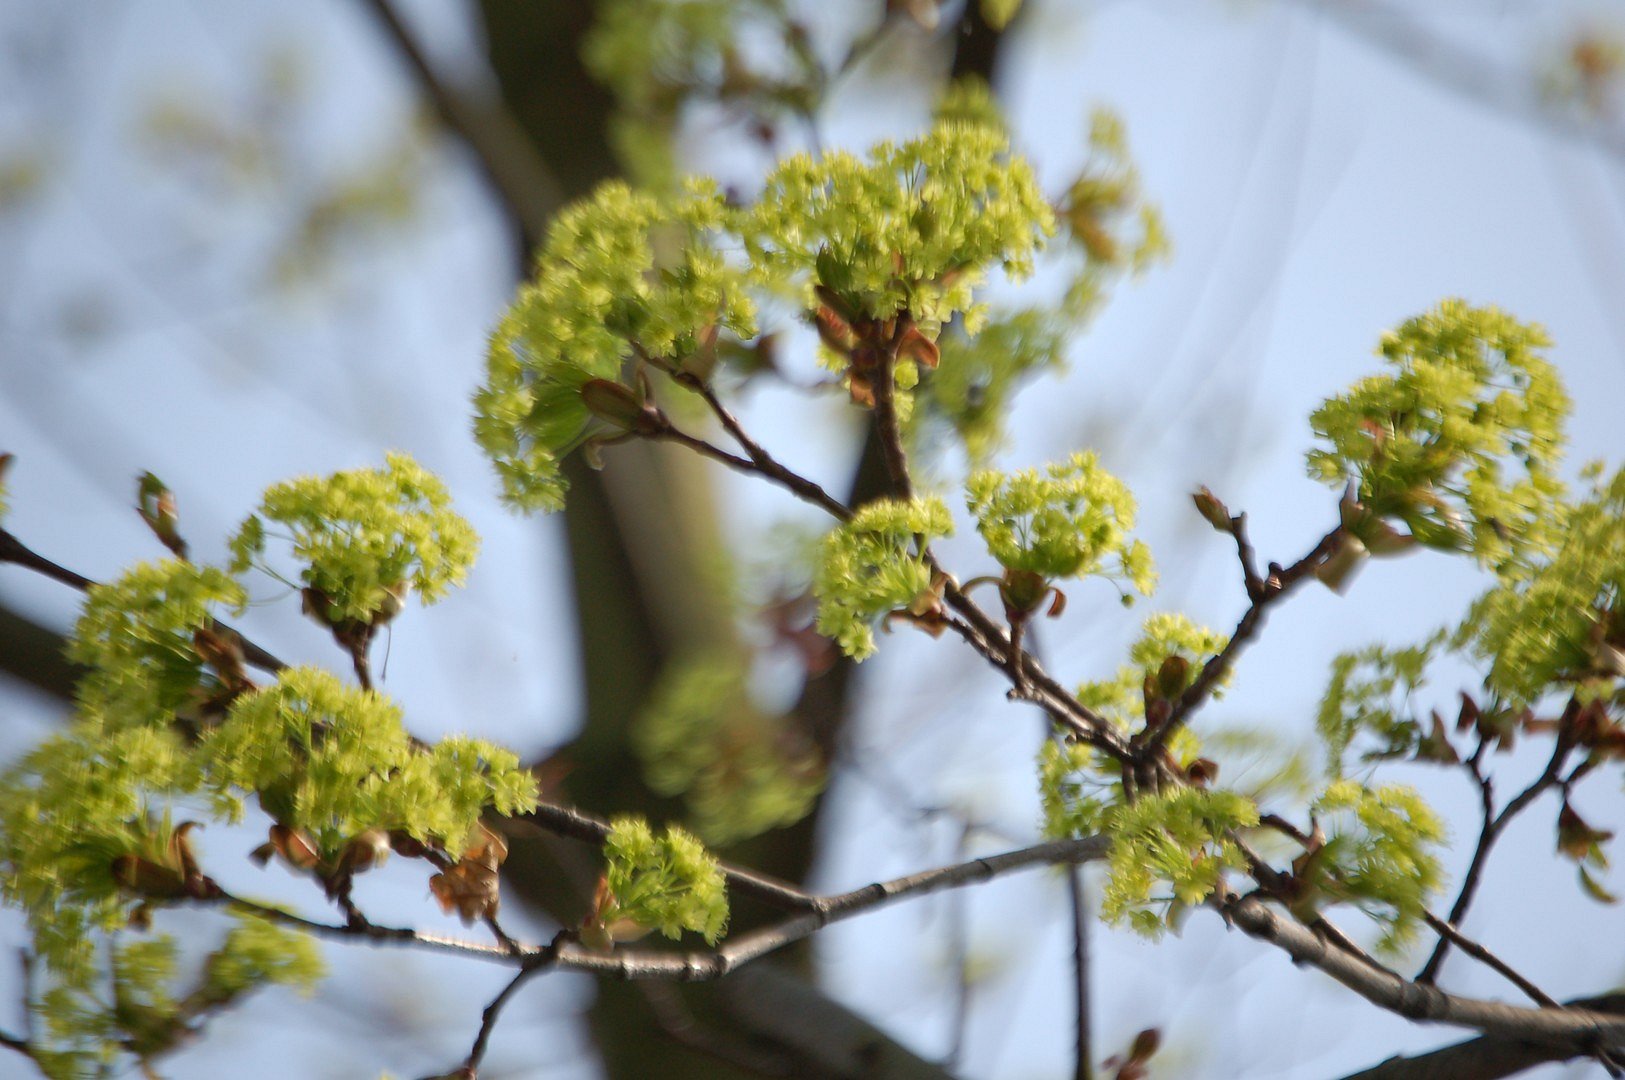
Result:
pixel 16 552
pixel 1269 591
pixel 532 966
pixel 1483 955
pixel 1488 834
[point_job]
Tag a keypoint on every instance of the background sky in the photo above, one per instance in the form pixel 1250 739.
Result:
pixel 173 298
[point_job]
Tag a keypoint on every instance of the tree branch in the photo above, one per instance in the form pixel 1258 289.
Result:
pixel 1579 1031
pixel 15 551
pixel 1271 590
pixel 1488 1057
pixel 1488 834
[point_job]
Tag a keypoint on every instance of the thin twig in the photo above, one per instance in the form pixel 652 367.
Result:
pixel 532 967
pixel 16 552
pixel 1487 836
pixel 886 421
pixel 1483 955
pixel 766 465
pixel 1279 583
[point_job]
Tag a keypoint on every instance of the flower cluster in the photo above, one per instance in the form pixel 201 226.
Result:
pixel 869 567
pixel 1064 522
pixel 138 636
pixel 1378 854
pixel 624 277
pixel 1431 444
pixel 1562 621
pixel 740 771
pixel 332 762
pixel 366 537
pixel 912 230
pixel 668 883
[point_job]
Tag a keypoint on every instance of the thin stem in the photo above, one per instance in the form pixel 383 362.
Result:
pixel 765 464
pixel 958 938
pixel 1483 955
pixel 15 551
pixel 470 1069
pixel 886 422
pixel 1487 836
pixel 1271 590
pixel 362 663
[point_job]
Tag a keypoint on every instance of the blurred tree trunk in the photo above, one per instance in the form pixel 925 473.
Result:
pixel 640 537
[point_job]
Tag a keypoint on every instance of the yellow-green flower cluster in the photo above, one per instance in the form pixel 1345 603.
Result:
pixel 998 13
pixel 1562 621
pixel 651 52
pixel 336 761
pixel 1378 855
pixel 135 636
pixel 365 536
pixel 969 100
pixel 869 567
pixel 1369 692
pixel 1460 441
pixel 1106 214
pixel 68 810
pixel 1064 522
pixel 914 229
pixel 973 385
pixel 668 883
pixel 1176 842
pixel 82 1033
pixel 739 771
pixel 622 275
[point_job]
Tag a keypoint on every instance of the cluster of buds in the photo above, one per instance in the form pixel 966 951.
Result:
pixel 871 347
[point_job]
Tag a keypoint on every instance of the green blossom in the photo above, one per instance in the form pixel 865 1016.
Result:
pixel 1107 217
pixel 1064 522
pixel 336 761
pixel 1562 620
pixel 365 536
pixel 136 637
pixel 1461 440
pixel 969 100
pixel 258 953
pixel 971 389
pixel 656 56
pixel 913 229
pixel 1370 693
pixel 81 1032
pixel 868 567
pixel 740 772
pixel 622 275
pixel 1378 855
pixel 668 883
pixel 68 810
pixel 1175 843
pixel 998 13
